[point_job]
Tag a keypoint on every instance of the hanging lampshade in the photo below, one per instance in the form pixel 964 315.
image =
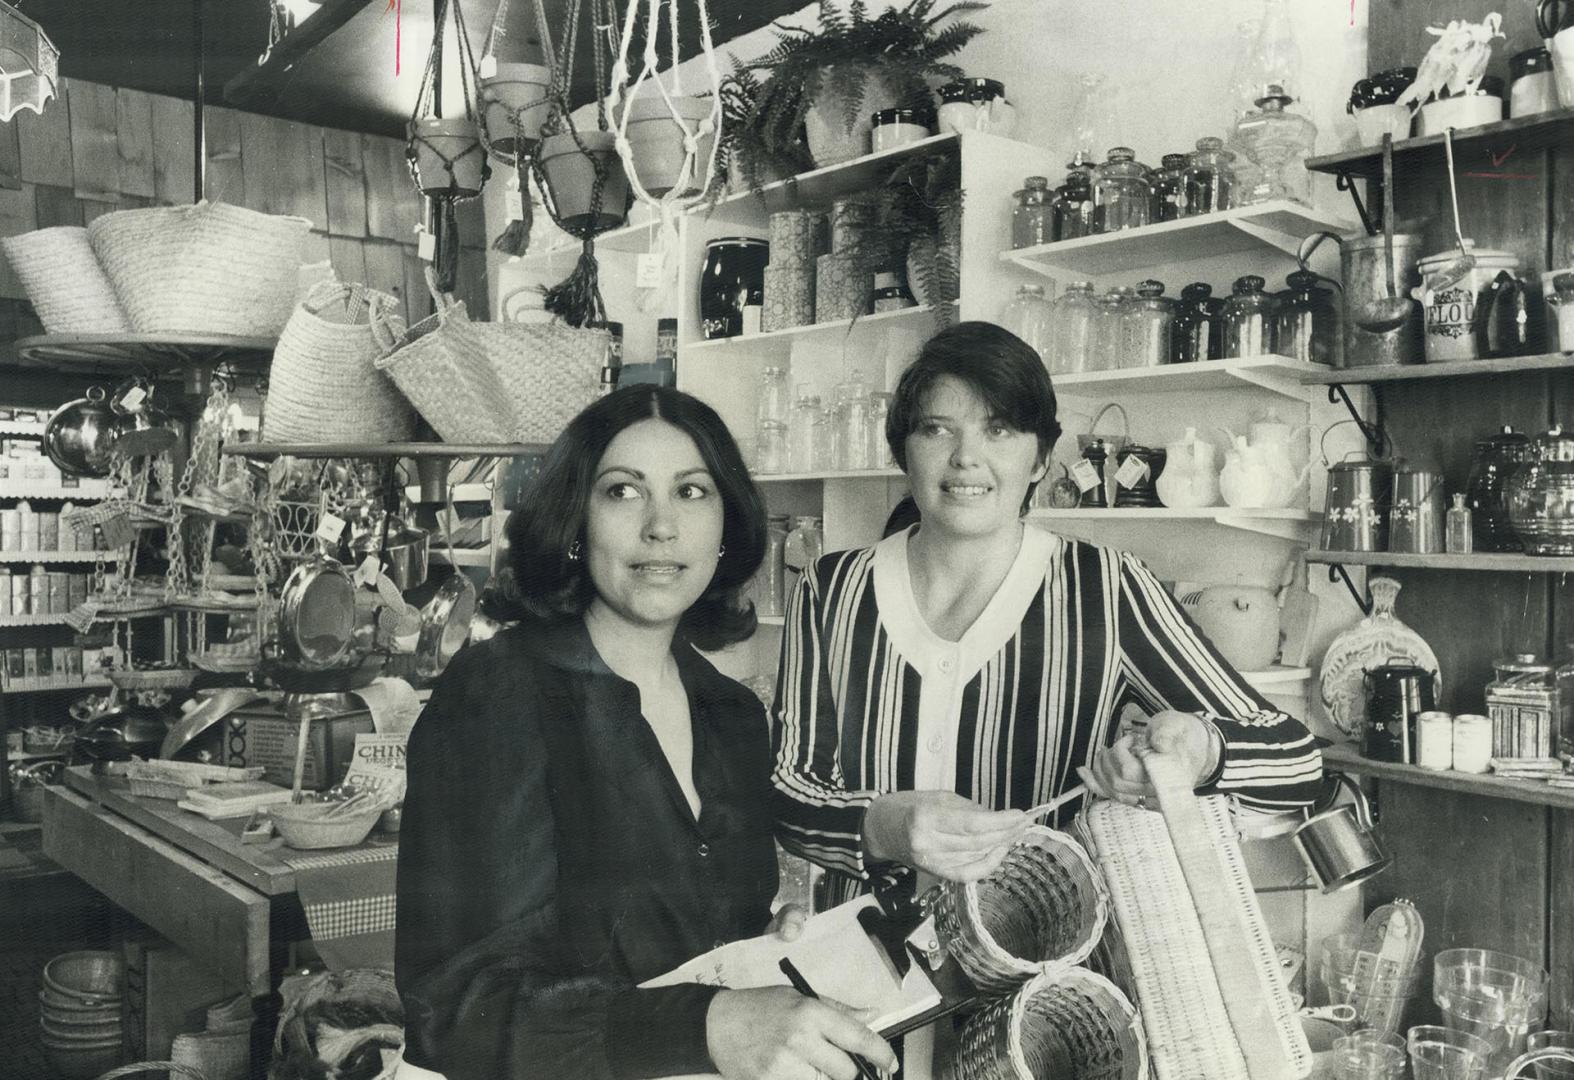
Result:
pixel 29 64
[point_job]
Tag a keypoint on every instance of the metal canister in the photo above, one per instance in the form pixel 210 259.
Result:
pixel 1363 269
pixel 1355 514
pixel 1415 519
pixel 1396 693
pixel 1526 707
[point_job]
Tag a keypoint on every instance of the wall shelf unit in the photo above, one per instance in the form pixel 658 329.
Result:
pixel 79 557
pixel 1527 133
pixel 1346 759
pixel 777 344
pixel 22 427
pixel 1476 561
pixel 86 491
pixel 1277 374
pixel 1288 524
pixel 1454 369
pixel 163 355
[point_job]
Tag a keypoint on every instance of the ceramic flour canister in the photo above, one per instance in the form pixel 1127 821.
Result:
pixel 1482 314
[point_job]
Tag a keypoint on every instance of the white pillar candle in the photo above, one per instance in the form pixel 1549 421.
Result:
pixel 1435 736
pixel 1472 743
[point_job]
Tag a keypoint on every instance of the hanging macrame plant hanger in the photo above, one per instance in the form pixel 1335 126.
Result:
pixel 516 100
pixel 446 155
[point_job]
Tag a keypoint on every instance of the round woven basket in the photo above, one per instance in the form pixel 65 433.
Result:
pixel 69 290
pixel 1068 1023
pixel 172 1069
pixel 210 268
pixel 1045 907
pixel 442 371
pixel 324 385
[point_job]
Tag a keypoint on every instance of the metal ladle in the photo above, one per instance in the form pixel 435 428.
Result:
pixel 1456 270
pixel 1380 315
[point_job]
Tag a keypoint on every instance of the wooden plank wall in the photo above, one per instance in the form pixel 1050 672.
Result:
pixel 1484 872
pixel 97 149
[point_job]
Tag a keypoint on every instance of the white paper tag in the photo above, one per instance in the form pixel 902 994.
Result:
pixel 1085 476
pixel 426 246
pixel 647 271
pixel 513 204
pixel 330 528
pixel 487 67
pixel 1131 472
pixel 366 573
pixel 133 398
pixel 751 319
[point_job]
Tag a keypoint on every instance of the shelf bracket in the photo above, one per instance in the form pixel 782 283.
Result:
pixel 1293 389
pixel 1376 437
pixel 1345 182
pixel 1274 238
pixel 1336 572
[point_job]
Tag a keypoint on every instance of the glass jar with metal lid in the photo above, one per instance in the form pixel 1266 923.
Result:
pixel 1033 219
pixel 1169 187
pixel 1541 496
pixel 1072 328
pixel 1198 332
pixel 1150 325
pixel 1073 205
pixel 1497 457
pixel 1208 180
pixel 1250 319
pixel 1309 325
pixel 1122 196
pixel 1528 709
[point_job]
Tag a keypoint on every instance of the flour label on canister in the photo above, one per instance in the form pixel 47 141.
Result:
pixel 1450 313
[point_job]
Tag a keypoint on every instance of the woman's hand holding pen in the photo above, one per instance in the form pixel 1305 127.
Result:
pixel 941 832
pixel 776 1033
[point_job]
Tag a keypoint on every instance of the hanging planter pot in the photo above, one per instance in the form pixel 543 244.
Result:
pixel 825 124
pixel 568 180
pixel 656 141
pixel 448 159
pixel 515 103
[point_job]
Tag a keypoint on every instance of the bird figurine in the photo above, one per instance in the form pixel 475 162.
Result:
pixel 1456 61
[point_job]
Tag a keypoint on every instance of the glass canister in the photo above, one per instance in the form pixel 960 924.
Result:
pixel 1073 205
pixel 1109 329
pixel 1250 317
pixel 802 548
pixel 1030 316
pixel 732 279
pixel 1169 187
pixel 804 428
pixel 1541 496
pixel 1208 181
pixel 1497 457
pixel 1072 328
pixel 771 594
pixel 1198 330
pixel 1151 322
pixel 851 435
pixel 1278 142
pixel 770 448
pixel 879 452
pixel 1122 196
pixel 1033 219
pixel 1309 325
pixel 772 401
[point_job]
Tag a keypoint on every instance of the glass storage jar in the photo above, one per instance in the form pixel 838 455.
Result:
pixel 879 452
pixel 1208 182
pixel 1497 457
pixel 850 437
pixel 1033 219
pixel 1249 319
pixel 1309 321
pixel 805 431
pixel 772 401
pixel 802 548
pixel 1278 142
pixel 1197 333
pixel 1541 496
pixel 1073 205
pixel 1030 317
pixel 1072 329
pixel 1109 334
pixel 770 596
pixel 1151 321
pixel 1169 188
pixel 770 448
pixel 1122 196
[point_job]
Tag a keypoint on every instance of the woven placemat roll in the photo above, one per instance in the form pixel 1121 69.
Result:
pixel 789 297
pixel 205 269
pixel 67 287
pixel 1066 1022
pixel 841 287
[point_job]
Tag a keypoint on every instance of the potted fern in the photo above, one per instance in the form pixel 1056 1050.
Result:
pixel 820 85
pixel 913 223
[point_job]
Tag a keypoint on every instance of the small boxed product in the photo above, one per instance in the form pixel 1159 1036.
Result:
pixel 16 666
pixel 29 667
pixel 74 662
pixel 46 665
pixel 62 663
pixel 59 592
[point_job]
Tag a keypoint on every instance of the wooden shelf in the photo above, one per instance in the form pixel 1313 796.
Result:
pixel 1279 225
pixel 1453 369
pixel 155 354
pixel 56 687
pixel 1479 561
pixel 54 556
pixel 1472 146
pixel 777 344
pixel 852 474
pixel 818 187
pixel 268 451
pixel 1279 374
pixel 90 490
pixel 1346 759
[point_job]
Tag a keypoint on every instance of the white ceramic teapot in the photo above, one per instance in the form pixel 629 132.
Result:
pixel 1272 443
pixel 1190 479
pixel 1249 480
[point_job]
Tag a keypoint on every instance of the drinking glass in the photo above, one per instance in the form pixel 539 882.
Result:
pixel 1442 1053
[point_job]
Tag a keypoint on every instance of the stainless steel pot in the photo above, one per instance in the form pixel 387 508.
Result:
pixel 1365 276
pixel 407 552
pixel 1339 845
pixel 80 435
pixel 317 616
pixel 1355 514
pixel 143 429
pixel 445 624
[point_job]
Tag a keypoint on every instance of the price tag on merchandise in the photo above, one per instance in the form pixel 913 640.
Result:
pixel 426 246
pixel 366 573
pixel 117 531
pixel 1086 476
pixel 647 271
pixel 330 528
pixel 1131 472
pixel 133 398
pixel 487 67
pixel 513 203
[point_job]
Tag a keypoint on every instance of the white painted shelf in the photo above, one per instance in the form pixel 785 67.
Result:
pixel 856 474
pixel 1279 225
pixel 777 344
pixel 819 186
pixel 463 556
pixel 33 620
pixel 1294 525
pixel 54 556
pixel 1279 374
pixel 38 489
pixel 1277 676
pixel 462 493
pixel 771 620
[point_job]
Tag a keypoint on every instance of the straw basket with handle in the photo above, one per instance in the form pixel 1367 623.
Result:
pixel 206 269
pixel 324 385
pixel 67 287
pixel 448 385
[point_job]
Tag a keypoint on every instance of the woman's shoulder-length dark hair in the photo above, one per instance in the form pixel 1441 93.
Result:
pixel 550 586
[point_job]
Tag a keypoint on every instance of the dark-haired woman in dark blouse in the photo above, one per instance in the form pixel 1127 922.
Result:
pixel 588 797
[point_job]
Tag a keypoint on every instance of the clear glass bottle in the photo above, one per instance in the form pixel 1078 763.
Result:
pixel 1109 341
pixel 879 452
pixel 800 550
pixel 1073 205
pixel 1030 316
pixel 1169 188
pixel 774 401
pixel 1151 322
pixel 770 448
pixel 1072 325
pixel 1122 197
pixel 806 414
pixel 770 597
pixel 1250 319
pixel 1309 324
pixel 1032 221
pixel 821 443
pixel 1458 528
pixel 1208 181
pixel 851 437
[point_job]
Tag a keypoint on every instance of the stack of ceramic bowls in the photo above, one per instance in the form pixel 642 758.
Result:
pixel 79 1012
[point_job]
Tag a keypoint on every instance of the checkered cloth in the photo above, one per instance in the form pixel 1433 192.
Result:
pixel 349 900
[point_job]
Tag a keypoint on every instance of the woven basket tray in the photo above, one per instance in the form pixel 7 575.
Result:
pixel 62 277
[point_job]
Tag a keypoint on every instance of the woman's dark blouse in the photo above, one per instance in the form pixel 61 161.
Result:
pixel 548 862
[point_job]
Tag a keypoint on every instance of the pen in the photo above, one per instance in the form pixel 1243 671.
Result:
pixel 800 984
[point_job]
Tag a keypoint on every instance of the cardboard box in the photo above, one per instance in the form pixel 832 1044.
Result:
pixel 260 734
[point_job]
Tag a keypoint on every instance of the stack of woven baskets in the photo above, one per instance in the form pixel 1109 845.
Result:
pixel 79 1012
pixel 208 270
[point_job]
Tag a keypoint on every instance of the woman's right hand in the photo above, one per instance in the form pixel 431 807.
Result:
pixel 776 1033
pixel 941 832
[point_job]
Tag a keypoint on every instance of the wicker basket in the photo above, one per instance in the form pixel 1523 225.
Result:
pixel 153 679
pixel 1067 1023
pixel 174 1070
pixel 544 373
pixel 305 828
pixel 443 372
pixel 205 269
pixel 216 1055
pixel 64 281
pixel 324 385
pixel 1044 908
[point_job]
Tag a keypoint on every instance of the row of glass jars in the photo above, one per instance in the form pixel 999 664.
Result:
pixel 1082 331
pixel 1123 193
pixel 805 434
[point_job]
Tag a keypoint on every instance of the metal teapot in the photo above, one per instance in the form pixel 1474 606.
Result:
pixel 1339 844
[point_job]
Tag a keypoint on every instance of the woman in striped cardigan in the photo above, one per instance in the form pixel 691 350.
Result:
pixel 933 687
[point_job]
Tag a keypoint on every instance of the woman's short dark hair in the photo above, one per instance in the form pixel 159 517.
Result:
pixel 550 586
pixel 1002 369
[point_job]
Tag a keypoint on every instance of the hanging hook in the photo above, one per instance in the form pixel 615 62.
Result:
pixel 1336 572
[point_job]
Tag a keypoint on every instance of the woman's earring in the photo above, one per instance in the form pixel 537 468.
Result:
pixel 574 552
pixel 722 551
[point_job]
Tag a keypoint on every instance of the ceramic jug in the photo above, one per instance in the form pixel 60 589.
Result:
pixel 1270 445
pixel 1249 479
pixel 1190 478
